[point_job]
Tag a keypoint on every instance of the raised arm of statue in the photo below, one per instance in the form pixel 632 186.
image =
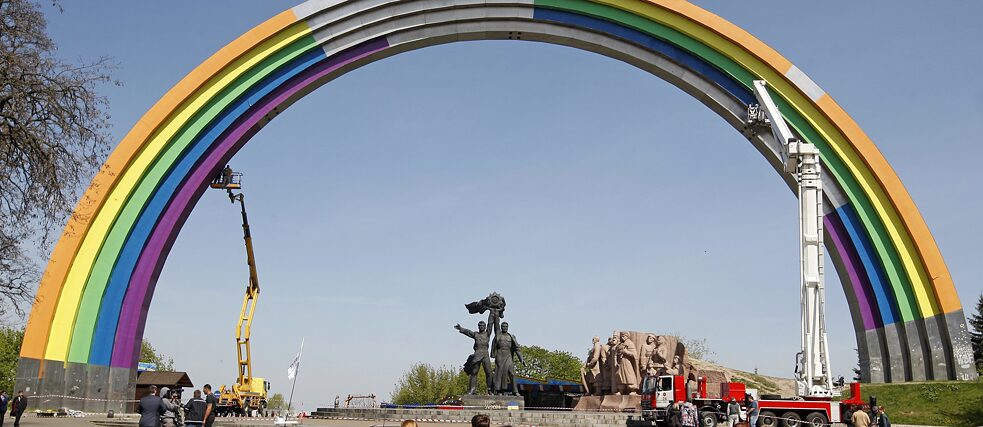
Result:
pixel 464 331
pixel 492 320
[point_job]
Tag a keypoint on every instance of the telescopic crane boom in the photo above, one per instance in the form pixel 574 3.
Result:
pixel 248 392
pixel 801 158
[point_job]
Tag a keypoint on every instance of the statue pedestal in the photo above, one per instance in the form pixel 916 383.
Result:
pixel 484 401
pixel 621 402
pixel 588 403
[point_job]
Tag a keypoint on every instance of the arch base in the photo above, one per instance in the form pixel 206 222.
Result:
pixel 52 384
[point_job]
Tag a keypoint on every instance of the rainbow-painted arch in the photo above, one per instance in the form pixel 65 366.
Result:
pixel 84 331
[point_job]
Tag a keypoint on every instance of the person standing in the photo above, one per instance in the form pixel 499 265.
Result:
pixel 4 402
pixel 211 404
pixel 18 408
pixel 150 408
pixel 752 411
pixel 882 419
pixel 171 410
pixel 689 415
pixel 733 412
pixel 860 418
pixel 674 414
pixel 195 410
pixel 848 415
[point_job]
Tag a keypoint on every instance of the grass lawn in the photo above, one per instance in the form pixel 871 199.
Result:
pixel 949 403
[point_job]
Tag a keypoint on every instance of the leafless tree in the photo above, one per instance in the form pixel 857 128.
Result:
pixel 53 135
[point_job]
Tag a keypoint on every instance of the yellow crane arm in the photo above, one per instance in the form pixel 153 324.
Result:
pixel 248 304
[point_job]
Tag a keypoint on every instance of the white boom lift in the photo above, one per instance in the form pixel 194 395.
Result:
pixel 800 158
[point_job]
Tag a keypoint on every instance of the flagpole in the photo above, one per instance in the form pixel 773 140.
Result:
pixel 296 372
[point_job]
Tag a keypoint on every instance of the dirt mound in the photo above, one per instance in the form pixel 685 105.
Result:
pixel 765 384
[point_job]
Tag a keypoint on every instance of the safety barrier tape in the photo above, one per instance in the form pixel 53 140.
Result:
pixel 61 396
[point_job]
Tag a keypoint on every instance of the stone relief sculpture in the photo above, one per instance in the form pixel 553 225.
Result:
pixel 619 366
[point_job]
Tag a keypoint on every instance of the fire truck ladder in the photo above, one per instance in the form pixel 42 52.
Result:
pixel 801 158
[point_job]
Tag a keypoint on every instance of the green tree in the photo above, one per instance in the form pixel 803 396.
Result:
pixel 149 354
pixel 277 402
pixel 10 341
pixel 698 348
pixel 426 384
pixel 53 135
pixel 462 381
pixel 976 335
pixel 542 364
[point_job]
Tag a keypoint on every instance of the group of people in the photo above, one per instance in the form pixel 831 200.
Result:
pixel 168 411
pixel 857 416
pixel 17 406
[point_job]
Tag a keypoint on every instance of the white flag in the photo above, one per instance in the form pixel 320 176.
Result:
pixel 292 370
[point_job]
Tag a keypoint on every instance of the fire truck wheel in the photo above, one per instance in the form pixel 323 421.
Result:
pixel 791 419
pixel 708 419
pixel 767 419
pixel 816 419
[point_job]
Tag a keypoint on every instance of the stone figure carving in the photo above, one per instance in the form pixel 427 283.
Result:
pixel 504 348
pixel 627 366
pixel 660 360
pixel 677 366
pixel 493 302
pixel 592 369
pixel 611 371
pixel 645 363
pixel 601 382
pixel 480 359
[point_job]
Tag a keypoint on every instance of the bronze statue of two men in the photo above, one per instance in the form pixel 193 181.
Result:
pixel 504 348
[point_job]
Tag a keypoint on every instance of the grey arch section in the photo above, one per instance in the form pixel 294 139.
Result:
pixel 415 24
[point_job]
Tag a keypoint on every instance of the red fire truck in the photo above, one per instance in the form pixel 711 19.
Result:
pixel 658 392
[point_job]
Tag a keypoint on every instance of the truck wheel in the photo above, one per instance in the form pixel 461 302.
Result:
pixel 816 419
pixel 767 419
pixel 708 419
pixel 791 419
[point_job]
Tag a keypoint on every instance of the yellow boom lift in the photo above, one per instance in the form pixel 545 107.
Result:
pixel 249 392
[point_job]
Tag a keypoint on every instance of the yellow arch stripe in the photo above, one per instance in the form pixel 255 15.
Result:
pixel 39 323
pixel 767 63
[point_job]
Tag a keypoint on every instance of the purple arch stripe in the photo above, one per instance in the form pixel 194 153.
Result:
pixel 841 242
pixel 140 291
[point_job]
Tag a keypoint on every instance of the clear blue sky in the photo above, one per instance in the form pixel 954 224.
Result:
pixel 592 195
